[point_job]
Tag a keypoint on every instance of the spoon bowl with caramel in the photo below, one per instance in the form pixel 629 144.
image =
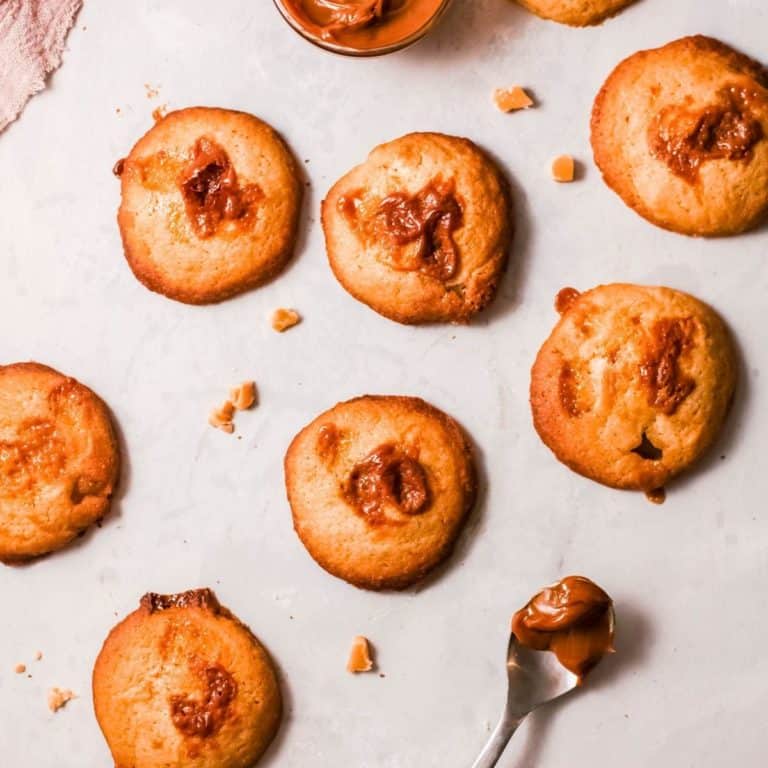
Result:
pixel 557 639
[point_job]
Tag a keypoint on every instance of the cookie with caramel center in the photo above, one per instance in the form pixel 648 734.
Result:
pixel 420 232
pixel 59 460
pixel 379 488
pixel 182 682
pixel 633 384
pixel 210 204
pixel 680 133
pixel 576 13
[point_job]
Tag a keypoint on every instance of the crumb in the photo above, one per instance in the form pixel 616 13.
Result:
pixel 151 90
pixel 20 669
pixel 38 655
pixel 512 99
pixel 243 396
pixel 221 417
pixel 117 110
pixel 283 319
pixel 563 168
pixel 158 113
pixel 360 656
pixel 381 674
pixel 58 697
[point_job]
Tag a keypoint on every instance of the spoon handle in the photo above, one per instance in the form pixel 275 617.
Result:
pixel 498 741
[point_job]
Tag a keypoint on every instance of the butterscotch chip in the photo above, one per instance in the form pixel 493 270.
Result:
pixel 380 488
pixel 283 319
pixel 511 99
pixel 59 460
pixel 20 669
pixel 563 168
pixel 360 656
pixel 243 396
pixel 633 384
pixel 680 133
pixel 221 417
pixel 182 682
pixel 58 698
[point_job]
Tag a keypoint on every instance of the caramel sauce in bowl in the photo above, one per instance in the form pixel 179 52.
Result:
pixel 362 27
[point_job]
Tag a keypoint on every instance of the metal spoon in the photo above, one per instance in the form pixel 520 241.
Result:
pixel 535 678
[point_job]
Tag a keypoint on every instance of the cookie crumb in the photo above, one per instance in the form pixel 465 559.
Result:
pixel 360 656
pixel 158 113
pixel 563 168
pixel 38 655
pixel 512 99
pixel 151 90
pixel 58 698
pixel 243 396
pixel 20 669
pixel 283 319
pixel 221 417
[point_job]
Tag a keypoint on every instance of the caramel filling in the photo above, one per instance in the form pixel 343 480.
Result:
pixel 573 619
pixel 192 598
pixel 660 372
pixel 211 191
pixel 203 718
pixel 388 477
pixel 685 138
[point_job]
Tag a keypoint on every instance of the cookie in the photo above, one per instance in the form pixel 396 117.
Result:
pixel 210 205
pixel 181 682
pixel 633 384
pixel 59 460
pixel 576 13
pixel 421 230
pixel 680 133
pixel 380 488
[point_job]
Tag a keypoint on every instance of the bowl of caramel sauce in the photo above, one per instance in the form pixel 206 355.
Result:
pixel 362 27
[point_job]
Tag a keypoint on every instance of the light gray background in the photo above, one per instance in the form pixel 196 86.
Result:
pixel 196 507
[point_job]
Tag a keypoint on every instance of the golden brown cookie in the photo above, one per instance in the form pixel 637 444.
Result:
pixel 681 134
pixel 577 13
pixel 420 231
pixel 210 204
pixel 59 460
pixel 380 488
pixel 181 682
pixel 633 384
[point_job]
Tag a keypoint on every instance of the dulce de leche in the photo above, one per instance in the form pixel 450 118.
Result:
pixel 573 619
pixel 363 25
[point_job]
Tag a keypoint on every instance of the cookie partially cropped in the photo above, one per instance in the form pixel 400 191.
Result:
pixel 181 682
pixel 380 488
pixel 633 384
pixel 59 460
pixel 210 204
pixel 681 134
pixel 576 13
pixel 420 232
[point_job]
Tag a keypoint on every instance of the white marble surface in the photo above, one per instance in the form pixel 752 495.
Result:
pixel 196 507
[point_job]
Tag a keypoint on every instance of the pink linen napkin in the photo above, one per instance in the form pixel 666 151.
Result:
pixel 32 34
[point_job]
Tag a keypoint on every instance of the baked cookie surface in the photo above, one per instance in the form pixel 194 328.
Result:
pixel 633 384
pixel 420 232
pixel 181 682
pixel 380 488
pixel 680 133
pixel 59 460
pixel 210 204
pixel 576 13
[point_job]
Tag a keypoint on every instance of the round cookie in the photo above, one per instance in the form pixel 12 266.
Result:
pixel 680 133
pixel 380 488
pixel 420 232
pixel 59 460
pixel 576 13
pixel 210 204
pixel 633 384
pixel 182 682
